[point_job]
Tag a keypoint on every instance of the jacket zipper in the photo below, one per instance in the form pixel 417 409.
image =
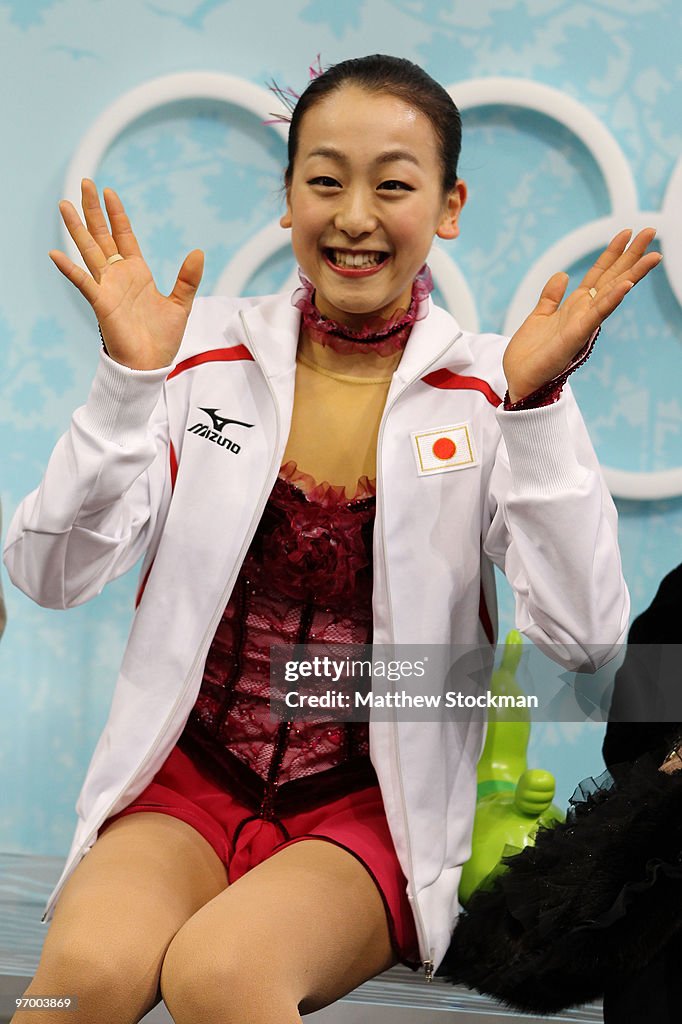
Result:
pixel 213 624
pixel 427 964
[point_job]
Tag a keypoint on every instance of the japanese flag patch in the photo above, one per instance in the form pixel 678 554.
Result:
pixel 442 449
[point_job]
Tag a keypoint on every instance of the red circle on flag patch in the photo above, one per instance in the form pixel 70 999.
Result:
pixel 444 448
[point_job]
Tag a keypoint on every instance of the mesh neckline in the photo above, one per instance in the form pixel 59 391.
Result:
pixel 346 377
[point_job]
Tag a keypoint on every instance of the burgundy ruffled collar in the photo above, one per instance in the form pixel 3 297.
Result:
pixel 378 335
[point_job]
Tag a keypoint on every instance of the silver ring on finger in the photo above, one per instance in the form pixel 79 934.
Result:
pixel 115 258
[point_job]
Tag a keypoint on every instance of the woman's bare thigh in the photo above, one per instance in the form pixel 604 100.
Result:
pixel 145 876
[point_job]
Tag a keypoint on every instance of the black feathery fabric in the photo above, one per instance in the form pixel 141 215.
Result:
pixel 594 897
pixel 599 896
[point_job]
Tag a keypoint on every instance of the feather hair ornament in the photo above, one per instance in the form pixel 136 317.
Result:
pixel 289 97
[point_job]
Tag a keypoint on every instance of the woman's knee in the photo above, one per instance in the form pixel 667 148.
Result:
pixel 106 983
pixel 83 964
pixel 193 967
pixel 198 974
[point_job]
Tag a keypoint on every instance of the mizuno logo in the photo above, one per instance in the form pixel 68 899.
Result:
pixel 219 421
pixel 216 435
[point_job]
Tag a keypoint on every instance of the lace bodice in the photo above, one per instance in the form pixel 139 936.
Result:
pixel 307 577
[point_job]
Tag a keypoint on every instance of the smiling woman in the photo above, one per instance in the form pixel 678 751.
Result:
pixel 364 211
pixel 375 476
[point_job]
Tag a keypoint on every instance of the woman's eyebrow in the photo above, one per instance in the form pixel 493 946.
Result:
pixel 390 156
pixel 397 154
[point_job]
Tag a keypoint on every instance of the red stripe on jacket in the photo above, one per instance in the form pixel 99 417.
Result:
pixel 173 465
pixel 173 459
pixel 449 381
pixel 484 616
pixel 140 591
pixel 214 355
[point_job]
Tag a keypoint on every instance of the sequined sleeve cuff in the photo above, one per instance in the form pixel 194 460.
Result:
pixel 550 392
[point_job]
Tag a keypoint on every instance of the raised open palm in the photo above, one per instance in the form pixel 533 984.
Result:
pixel 141 328
pixel 556 331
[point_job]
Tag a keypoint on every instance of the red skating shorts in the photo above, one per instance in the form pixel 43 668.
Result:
pixel 356 822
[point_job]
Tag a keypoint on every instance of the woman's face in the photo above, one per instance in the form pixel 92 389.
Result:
pixel 365 202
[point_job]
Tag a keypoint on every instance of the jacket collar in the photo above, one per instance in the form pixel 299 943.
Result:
pixel 272 328
pixel 273 324
pixel 435 341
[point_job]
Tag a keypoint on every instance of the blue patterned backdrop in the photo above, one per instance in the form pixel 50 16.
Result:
pixel 208 175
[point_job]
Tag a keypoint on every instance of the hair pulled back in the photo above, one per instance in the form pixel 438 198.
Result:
pixel 398 77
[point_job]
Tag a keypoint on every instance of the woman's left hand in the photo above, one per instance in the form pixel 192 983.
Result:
pixel 556 331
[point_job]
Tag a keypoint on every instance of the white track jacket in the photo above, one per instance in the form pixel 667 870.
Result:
pixel 131 478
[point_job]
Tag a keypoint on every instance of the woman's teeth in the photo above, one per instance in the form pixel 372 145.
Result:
pixel 356 259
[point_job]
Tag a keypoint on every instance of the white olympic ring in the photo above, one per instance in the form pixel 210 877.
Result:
pixel 448 277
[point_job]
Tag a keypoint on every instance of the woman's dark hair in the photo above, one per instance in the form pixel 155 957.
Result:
pixel 399 77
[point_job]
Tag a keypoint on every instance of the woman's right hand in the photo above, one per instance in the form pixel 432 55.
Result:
pixel 141 328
